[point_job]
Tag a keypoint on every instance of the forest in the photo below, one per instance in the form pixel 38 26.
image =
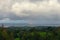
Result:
pixel 30 33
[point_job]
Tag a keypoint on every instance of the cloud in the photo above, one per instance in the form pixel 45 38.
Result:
pixel 7 20
pixel 44 8
pixel 41 7
pixel 34 11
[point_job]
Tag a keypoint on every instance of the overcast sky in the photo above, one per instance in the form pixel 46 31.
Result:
pixel 30 11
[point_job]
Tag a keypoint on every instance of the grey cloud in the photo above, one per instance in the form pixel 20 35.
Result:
pixel 54 16
pixel 9 15
pixel 35 0
pixel 44 12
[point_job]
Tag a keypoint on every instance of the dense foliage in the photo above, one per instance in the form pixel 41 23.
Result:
pixel 30 33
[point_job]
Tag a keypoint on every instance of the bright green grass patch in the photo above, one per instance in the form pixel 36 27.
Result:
pixel 17 38
pixel 42 34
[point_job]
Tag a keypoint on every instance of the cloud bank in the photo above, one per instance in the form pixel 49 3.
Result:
pixel 33 11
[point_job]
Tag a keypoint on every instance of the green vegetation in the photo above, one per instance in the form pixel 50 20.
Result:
pixel 30 33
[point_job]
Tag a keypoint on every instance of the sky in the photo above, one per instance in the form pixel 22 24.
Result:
pixel 30 11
